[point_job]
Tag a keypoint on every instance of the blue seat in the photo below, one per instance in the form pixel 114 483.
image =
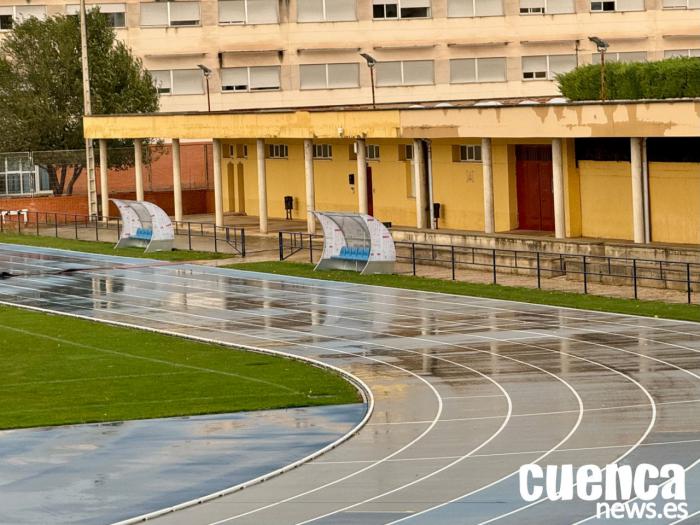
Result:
pixel 353 253
pixel 143 234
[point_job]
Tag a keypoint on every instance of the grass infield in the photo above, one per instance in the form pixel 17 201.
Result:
pixel 107 248
pixel 683 312
pixel 59 370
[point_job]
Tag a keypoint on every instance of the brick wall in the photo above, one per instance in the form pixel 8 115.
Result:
pixel 193 202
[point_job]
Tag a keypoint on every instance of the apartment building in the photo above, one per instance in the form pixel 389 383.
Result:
pixel 297 53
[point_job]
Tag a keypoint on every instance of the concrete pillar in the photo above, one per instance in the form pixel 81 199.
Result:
pixel 177 180
pixel 262 185
pixel 138 169
pixel 310 192
pixel 558 189
pixel 420 184
pixel 218 185
pixel 361 182
pixel 104 183
pixel 637 189
pixel 487 168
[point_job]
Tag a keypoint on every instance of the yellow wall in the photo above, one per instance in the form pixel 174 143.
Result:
pixel 458 186
pixel 606 199
pixel 674 198
pixel 333 191
pixel 572 189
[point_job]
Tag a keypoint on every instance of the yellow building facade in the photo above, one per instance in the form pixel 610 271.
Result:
pixel 576 170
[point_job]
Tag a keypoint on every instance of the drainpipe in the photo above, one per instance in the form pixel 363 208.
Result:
pixel 645 190
pixel 429 172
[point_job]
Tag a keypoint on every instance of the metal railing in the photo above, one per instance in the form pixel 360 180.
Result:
pixel 85 227
pixel 680 276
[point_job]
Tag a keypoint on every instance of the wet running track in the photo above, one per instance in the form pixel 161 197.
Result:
pixel 465 390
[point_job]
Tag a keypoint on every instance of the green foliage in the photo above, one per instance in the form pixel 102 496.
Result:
pixel 670 78
pixel 41 94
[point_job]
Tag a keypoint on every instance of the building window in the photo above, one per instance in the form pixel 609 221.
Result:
pixel 115 13
pixel 248 12
pixel 259 78
pixel 469 8
pixel 405 151
pixel 178 81
pixel 19 13
pixel 550 7
pixel 323 151
pixel 163 14
pixel 395 9
pixel 673 53
pixel 277 151
pixel 617 5
pixel 547 67
pixel 405 73
pixel 463 70
pixel 372 152
pixel 329 76
pixel 629 56
pixel 681 4
pixel 326 10
pixel 19 176
pixel 466 153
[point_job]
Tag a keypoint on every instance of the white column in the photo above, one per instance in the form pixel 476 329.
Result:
pixel 419 183
pixel 487 168
pixel 637 190
pixel 361 182
pixel 218 186
pixel 558 189
pixel 309 178
pixel 104 183
pixel 262 185
pixel 177 180
pixel 138 169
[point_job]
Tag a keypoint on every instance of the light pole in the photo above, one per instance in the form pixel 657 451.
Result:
pixel 207 74
pixel 371 62
pixel 602 47
pixel 87 111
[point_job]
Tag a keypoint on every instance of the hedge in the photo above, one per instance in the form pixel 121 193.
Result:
pixel 671 78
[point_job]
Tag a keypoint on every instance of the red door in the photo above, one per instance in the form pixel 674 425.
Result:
pixel 533 172
pixel 370 199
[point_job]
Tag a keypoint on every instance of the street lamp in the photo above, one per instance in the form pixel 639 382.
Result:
pixel 602 47
pixel 207 73
pixel 371 62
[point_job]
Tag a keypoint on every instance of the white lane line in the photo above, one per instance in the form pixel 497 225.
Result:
pixel 521 453
pixel 482 351
pixel 696 513
pixel 537 414
pixel 493 436
pixel 398 349
pixel 580 341
pixel 361 385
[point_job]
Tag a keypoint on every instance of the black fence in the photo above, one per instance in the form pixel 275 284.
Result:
pixel 85 227
pixel 635 273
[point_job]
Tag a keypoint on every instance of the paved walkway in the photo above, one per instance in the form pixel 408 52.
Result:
pixel 466 390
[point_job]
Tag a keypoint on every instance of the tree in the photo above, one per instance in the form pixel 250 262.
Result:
pixel 41 95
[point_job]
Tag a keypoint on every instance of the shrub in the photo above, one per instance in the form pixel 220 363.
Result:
pixel 670 78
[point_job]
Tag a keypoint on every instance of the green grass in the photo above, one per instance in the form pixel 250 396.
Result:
pixel 59 370
pixel 513 293
pixel 107 248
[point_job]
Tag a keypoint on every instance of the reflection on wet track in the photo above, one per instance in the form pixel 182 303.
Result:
pixel 466 389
